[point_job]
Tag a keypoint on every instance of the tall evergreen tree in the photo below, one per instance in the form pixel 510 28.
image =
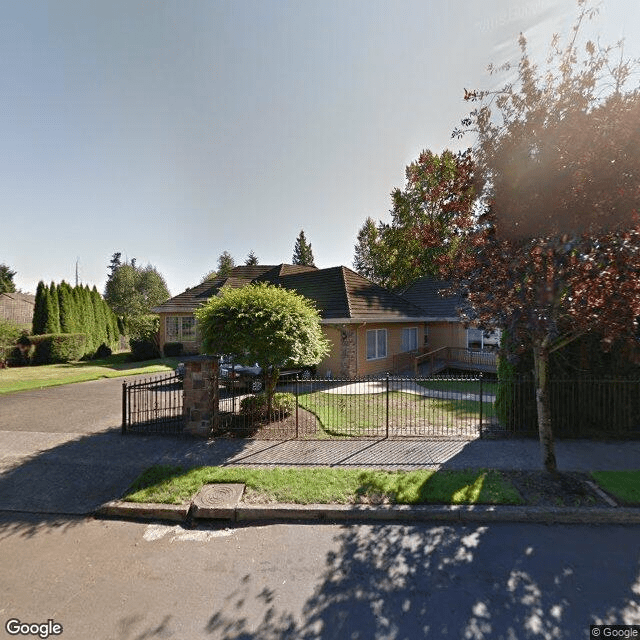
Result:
pixel 302 253
pixel 90 319
pixel 251 260
pixel 370 259
pixel 114 264
pixel 66 303
pixel 40 310
pixel 225 264
pixel 53 310
pixel 6 279
pixel 101 333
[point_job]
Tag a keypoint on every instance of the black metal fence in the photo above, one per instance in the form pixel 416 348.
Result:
pixel 392 407
pixel 580 407
pixel 388 407
pixel 153 405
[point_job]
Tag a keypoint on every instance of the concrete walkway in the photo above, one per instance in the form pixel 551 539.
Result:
pixel 61 451
pixel 76 473
pixel 404 385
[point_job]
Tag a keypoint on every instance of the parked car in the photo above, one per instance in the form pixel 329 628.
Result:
pixel 249 377
pixel 240 376
pixel 303 372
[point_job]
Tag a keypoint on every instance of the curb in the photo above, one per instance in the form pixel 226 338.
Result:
pixel 364 513
pixel 147 511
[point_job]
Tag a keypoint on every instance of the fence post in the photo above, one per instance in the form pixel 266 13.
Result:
pixel 387 417
pixel 297 392
pixel 124 408
pixel 481 404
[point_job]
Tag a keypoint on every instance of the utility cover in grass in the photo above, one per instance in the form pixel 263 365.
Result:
pixel 217 500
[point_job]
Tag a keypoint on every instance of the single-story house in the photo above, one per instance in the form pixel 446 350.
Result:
pixel 371 329
pixel 442 311
pixel 368 326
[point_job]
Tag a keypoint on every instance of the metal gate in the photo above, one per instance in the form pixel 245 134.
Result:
pixel 153 405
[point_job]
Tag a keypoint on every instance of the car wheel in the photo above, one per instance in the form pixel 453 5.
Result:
pixel 256 385
pixel 306 374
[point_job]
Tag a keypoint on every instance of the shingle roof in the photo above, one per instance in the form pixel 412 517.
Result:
pixel 426 293
pixel 338 292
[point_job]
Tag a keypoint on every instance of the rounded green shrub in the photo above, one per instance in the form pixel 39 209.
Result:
pixel 281 404
pixel 173 349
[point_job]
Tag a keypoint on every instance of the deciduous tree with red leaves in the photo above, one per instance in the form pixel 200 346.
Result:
pixel 437 189
pixel 553 247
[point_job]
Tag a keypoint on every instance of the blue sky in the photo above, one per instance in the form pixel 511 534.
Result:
pixel 172 131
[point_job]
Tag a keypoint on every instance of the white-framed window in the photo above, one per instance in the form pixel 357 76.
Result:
pixel 180 328
pixel 410 339
pixel 376 344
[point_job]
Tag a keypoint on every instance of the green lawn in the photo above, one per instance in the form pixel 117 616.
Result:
pixel 173 485
pixel 366 414
pixel 36 377
pixel 621 484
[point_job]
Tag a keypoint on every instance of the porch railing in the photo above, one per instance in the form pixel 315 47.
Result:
pixel 444 357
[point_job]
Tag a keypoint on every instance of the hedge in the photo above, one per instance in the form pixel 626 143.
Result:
pixel 54 348
pixel 173 349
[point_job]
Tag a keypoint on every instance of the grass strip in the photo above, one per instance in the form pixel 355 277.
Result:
pixel 175 485
pixel 51 375
pixel 624 485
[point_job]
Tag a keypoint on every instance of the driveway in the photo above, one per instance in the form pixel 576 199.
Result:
pixel 61 450
pixel 85 407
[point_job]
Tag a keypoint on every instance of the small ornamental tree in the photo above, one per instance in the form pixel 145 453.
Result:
pixel 264 324
pixel 555 250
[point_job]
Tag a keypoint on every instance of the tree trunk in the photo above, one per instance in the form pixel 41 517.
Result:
pixel 541 362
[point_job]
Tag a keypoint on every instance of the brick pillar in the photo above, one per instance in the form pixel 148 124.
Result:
pixel 348 353
pixel 200 394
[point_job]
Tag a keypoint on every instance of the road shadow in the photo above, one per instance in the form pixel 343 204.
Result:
pixel 51 485
pixel 478 582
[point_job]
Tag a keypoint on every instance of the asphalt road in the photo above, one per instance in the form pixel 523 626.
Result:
pixel 120 580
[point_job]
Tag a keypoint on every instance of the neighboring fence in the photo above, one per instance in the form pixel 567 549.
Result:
pixel 153 405
pixel 580 407
pixel 389 407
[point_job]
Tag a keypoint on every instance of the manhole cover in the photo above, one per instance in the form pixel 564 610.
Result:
pixel 219 495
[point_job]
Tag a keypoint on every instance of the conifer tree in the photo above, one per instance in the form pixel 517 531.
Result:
pixel 302 253
pixel 40 310
pixel 53 310
pixel 66 302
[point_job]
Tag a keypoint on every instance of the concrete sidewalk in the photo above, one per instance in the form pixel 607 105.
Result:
pixel 76 473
